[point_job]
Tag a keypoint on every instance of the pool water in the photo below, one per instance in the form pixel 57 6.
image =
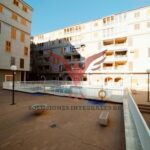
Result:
pixel 95 102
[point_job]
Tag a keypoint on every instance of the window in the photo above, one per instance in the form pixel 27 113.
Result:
pixel 104 20
pixel 13 33
pixel 108 42
pixel 148 52
pixel 79 28
pixel 112 18
pixel 24 8
pixel 59 41
pixel 8 46
pixel 23 21
pixel 40 37
pixel 12 61
pixel 26 51
pixel 148 24
pixel 14 16
pixel 16 2
pixel 22 36
pixel 1 8
pixel 136 26
pixel 8 77
pixel 68 39
pixel 21 63
pixel 84 78
pixel 52 43
pixel 137 14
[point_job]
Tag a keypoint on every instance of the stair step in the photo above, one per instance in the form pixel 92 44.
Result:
pixel 145 111
pixel 143 107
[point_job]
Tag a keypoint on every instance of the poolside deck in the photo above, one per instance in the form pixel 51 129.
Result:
pixel 75 129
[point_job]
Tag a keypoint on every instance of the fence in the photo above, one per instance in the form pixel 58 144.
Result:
pixel 68 88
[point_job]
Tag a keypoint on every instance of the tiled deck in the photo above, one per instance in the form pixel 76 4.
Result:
pixel 75 129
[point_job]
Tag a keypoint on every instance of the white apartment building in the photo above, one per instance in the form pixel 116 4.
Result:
pixel 15 24
pixel 125 38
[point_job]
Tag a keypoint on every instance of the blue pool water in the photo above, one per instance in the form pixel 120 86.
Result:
pixel 96 102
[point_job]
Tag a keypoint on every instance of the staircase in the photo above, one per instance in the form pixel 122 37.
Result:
pixel 144 108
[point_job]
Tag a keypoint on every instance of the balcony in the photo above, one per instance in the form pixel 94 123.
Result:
pixel 119 43
pixel 121 54
pixel 107 66
pixel 108 42
pixel 108 81
pixel 121 40
pixel 109 53
pixel 120 65
pixel 74 50
pixel 68 57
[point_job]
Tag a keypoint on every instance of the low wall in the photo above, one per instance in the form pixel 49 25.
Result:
pixel 137 132
pixel 142 128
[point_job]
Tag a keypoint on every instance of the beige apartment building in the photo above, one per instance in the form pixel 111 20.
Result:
pixel 124 38
pixel 15 25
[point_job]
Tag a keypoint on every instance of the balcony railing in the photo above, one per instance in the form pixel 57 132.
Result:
pixel 121 67
pixel 108 68
pixel 120 56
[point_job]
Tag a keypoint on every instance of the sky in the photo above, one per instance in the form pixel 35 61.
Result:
pixel 50 15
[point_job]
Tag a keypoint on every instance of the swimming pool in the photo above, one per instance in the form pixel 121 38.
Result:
pixel 86 92
pixel 70 90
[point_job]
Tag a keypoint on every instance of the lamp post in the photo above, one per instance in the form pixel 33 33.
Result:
pixel 148 71
pixel 13 68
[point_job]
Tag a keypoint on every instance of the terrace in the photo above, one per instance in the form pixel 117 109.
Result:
pixel 69 125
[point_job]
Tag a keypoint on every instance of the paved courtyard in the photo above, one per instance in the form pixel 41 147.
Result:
pixel 76 129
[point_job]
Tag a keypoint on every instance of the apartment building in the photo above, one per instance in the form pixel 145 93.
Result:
pixel 123 39
pixel 15 24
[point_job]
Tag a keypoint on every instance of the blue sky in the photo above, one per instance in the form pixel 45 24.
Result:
pixel 49 15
